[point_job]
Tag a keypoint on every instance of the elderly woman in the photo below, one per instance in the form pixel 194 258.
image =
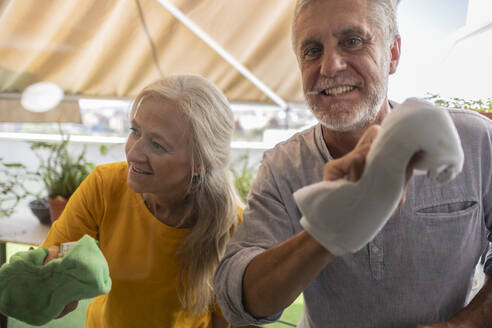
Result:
pixel 163 217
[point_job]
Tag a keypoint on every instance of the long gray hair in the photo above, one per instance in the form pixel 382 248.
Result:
pixel 212 202
pixel 383 15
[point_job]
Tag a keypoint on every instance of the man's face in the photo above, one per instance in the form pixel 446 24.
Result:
pixel 345 63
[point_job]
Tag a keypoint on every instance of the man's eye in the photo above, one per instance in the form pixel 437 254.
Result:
pixel 312 52
pixel 352 42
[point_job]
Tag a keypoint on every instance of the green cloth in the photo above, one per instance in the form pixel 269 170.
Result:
pixel 37 293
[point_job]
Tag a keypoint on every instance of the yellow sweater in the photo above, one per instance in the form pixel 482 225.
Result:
pixel 140 251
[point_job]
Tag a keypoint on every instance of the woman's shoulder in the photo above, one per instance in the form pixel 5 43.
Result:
pixel 112 175
pixel 118 168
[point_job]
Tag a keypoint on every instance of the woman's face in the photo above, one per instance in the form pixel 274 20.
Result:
pixel 158 151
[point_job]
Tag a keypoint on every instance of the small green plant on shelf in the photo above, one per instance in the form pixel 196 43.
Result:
pixel 243 177
pixel 60 172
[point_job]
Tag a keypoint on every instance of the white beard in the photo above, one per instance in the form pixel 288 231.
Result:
pixel 361 114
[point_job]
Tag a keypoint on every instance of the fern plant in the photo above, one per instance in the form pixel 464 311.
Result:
pixel 60 171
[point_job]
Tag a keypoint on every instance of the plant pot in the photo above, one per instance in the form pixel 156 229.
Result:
pixel 41 209
pixel 56 207
pixel 487 114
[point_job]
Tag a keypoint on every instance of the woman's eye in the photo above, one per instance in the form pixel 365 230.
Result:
pixel 133 132
pixel 157 146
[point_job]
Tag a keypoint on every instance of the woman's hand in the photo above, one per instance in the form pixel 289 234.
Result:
pixel 53 254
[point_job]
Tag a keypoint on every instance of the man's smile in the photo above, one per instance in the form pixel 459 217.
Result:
pixel 335 91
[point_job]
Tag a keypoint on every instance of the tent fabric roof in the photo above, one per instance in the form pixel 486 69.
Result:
pixel 95 48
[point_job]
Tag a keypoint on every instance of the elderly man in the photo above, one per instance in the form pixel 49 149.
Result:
pixel 418 269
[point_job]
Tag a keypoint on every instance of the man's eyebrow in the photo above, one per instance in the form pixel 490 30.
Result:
pixel 307 42
pixel 350 31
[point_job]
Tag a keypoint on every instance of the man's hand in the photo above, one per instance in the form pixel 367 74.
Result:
pixel 53 254
pixel 351 166
pixel 476 314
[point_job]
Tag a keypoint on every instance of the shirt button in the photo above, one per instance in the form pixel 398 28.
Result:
pixel 375 249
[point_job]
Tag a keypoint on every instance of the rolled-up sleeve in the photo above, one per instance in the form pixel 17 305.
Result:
pixel 266 223
pixel 228 287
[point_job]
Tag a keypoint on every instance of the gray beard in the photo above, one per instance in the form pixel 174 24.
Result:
pixel 363 113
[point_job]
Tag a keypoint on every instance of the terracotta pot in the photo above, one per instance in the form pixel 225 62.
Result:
pixel 56 207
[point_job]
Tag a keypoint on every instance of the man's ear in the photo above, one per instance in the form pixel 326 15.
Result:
pixel 395 55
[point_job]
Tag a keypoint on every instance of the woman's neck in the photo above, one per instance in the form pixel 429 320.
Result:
pixel 172 214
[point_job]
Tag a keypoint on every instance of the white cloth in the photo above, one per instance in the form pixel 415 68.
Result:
pixel 358 211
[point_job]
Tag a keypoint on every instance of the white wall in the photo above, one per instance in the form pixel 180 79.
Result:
pixel 479 11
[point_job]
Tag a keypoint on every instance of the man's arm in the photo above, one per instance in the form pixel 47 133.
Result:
pixel 477 314
pixel 276 277
pixel 219 322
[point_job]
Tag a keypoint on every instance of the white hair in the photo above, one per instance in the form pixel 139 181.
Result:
pixel 212 199
pixel 383 16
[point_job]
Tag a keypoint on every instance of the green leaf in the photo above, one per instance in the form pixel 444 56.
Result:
pixel 103 149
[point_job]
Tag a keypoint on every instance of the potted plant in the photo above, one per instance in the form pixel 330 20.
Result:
pixel 60 171
pixel 483 107
pixel 41 209
pixel 14 187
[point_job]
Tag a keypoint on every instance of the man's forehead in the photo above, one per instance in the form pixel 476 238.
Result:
pixel 334 17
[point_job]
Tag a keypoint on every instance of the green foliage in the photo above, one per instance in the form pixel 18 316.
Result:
pixel 476 105
pixel 61 172
pixel 244 176
pixel 12 186
pixel 103 149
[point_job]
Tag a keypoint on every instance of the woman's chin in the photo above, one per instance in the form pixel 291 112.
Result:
pixel 135 187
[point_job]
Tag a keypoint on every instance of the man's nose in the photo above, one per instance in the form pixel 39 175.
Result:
pixel 332 63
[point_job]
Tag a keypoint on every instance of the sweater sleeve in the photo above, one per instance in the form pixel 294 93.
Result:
pixel 81 215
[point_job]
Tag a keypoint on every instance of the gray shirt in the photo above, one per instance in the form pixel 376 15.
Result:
pixel 418 269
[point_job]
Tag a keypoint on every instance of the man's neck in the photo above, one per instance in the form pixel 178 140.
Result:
pixel 341 143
